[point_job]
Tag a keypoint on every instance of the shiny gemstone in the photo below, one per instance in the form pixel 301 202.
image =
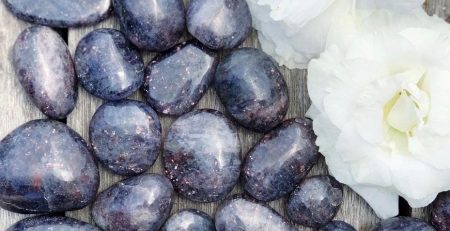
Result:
pixel 337 226
pixel 402 224
pixel 189 220
pixel 440 213
pixel 49 223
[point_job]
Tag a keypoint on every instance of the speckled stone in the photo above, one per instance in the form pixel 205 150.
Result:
pixel 315 202
pixel 252 89
pixel 139 203
pixel 49 223
pixel 154 25
pixel 44 67
pixel 202 155
pixel 125 136
pixel 219 24
pixel 402 224
pixel 440 213
pixel 189 220
pixel 176 81
pixel 108 65
pixel 46 167
pixel 280 160
pixel 60 13
pixel 337 226
pixel 238 213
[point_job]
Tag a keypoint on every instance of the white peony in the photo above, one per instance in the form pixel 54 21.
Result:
pixel 295 31
pixel 381 107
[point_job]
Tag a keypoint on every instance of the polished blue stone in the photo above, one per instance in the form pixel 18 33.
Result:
pixel 219 24
pixel 440 213
pixel 402 224
pixel 50 223
pixel 175 81
pixel 108 65
pixel 125 136
pixel 189 220
pixel 60 13
pixel 238 213
pixel 202 155
pixel 252 89
pixel 44 67
pixel 154 25
pixel 139 203
pixel 337 226
pixel 46 167
pixel 280 160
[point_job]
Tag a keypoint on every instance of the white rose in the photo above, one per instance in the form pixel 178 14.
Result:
pixel 381 109
pixel 293 31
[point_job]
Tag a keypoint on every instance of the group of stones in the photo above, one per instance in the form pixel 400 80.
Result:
pixel 46 167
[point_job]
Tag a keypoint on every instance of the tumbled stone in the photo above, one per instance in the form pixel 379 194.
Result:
pixel 108 65
pixel 176 81
pixel 44 67
pixel 202 155
pixel 315 201
pixel 139 203
pixel 219 24
pixel 402 224
pixel 189 220
pixel 440 213
pixel 48 223
pixel 61 13
pixel 239 213
pixel 252 89
pixel 280 160
pixel 46 167
pixel 154 25
pixel 337 226
pixel 125 136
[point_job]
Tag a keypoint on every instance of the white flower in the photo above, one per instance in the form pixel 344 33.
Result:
pixel 381 108
pixel 295 31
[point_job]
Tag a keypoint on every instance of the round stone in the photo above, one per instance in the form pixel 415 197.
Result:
pixel 202 155
pixel 46 167
pixel 125 136
pixel 176 80
pixel 189 220
pixel 337 226
pixel 280 160
pixel 154 25
pixel 402 224
pixel 440 213
pixel 252 89
pixel 47 223
pixel 44 67
pixel 138 203
pixel 219 24
pixel 315 202
pixel 108 65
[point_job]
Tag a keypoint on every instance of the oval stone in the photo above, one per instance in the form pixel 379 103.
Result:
pixel 44 67
pixel 440 213
pixel 238 213
pixel 176 81
pixel 202 155
pixel 139 203
pixel 403 224
pixel 280 161
pixel 108 65
pixel 47 223
pixel 219 24
pixel 61 13
pixel 154 25
pixel 125 136
pixel 252 89
pixel 337 226
pixel 46 167
pixel 189 220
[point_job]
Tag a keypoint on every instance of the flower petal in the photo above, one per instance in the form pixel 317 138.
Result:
pixel 383 202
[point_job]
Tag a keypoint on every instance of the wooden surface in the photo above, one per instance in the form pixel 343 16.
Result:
pixel 16 109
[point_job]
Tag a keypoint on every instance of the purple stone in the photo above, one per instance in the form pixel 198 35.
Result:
pixel 125 136
pixel 154 25
pixel 219 24
pixel 402 224
pixel 202 155
pixel 280 161
pixel 108 65
pixel 177 80
pixel 238 213
pixel 46 167
pixel 139 203
pixel 440 213
pixel 252 89
pixel 315 202
pixel 48 223
pixel 189 220
pixel 337 226
pixel 43 64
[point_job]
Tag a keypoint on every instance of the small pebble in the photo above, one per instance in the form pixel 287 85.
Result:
pixel 51 223
pixel 402 224
pixel 337 226
pixel 189 220
pixel 440 213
